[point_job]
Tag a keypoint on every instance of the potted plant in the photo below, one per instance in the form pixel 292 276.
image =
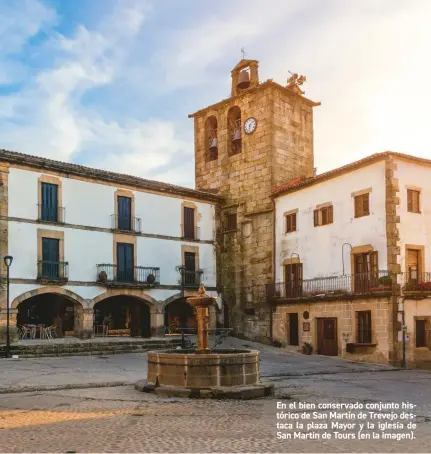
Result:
pixel 385 281
pixel 307 348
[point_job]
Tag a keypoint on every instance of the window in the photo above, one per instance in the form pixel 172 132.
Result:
pixel 293 280
pixel 324 216
pixel 420 333
pixel 125 262
pixel 189 223
pixel 413 266
pixel 366 271
pixel 190 277
pixel 124 207
pixel 50 258
pixel 363 334
pixel 291 223
pixel 413 201
pixel 49 202
pixel 362 205
pixel 231 223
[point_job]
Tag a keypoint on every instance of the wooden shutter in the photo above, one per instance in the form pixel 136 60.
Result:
pixel 409 200
pixel 358 211
pixel 293 222
pixel 366 204
pixel 330 214
pixel 316 218
pixel 49 202
pixel 189 222
pixel 189 261
pixel 288 223
pixel 124 206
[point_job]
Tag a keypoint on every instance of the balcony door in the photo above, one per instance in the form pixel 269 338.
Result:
pixel 366 271
pixel 124 213
pixel 189 223
pixel 50 257
pixel 190 264
pixel 413 270
pixel 49 202
pixel 125 262
pixel 293 280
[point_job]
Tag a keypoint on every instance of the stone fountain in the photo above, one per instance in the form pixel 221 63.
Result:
pixel 205 372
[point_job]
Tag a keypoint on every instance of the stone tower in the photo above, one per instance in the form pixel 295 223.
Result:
pixel 246 145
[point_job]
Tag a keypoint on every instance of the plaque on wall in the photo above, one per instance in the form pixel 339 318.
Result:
pixel 306 326
pixel 306 315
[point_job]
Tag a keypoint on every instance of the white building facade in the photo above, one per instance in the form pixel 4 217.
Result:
pixel 351 246
pixel 92 248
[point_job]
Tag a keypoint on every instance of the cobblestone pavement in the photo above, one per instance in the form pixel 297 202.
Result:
pixel 42 373
pixel 120 419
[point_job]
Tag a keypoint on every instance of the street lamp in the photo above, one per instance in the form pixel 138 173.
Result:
pixel 8 262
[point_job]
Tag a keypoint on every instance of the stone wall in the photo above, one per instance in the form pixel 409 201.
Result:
pixel 344 312
pixel 280 149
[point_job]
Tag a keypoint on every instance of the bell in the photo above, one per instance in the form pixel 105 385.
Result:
pixel 243 80
pixel 236 136
pixel 213 144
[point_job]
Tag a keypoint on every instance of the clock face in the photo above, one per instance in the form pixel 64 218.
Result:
pixel 250 125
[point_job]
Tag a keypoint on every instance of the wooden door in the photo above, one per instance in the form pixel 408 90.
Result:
pixel 413 271
pixel 49 202
pixel 189 223
pixel 293 329
pixel 420 333
pixel 366 271
pixel 125 262
pixel 50 257
pixel 327 341
pixel 124 213
pixel 293 280
pixel 190 264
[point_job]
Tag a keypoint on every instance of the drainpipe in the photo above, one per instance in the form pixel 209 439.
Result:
pixel 403 321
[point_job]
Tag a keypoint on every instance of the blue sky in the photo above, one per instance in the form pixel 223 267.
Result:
pixel 109 83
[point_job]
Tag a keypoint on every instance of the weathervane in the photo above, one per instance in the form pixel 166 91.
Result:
pixel 243 53
pixel 294 81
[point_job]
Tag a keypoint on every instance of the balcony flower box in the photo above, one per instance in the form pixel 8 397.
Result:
pixel 381 288
pixel 421 287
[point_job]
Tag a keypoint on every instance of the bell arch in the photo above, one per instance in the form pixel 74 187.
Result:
pixel 211 139
pixel 55 290
pixel 234 131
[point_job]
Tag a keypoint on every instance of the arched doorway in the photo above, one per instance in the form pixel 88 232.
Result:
pixel 50 309
pixel 180 314
pixel 123 315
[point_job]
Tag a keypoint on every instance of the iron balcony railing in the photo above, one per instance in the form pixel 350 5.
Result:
pixel 192 279
pixel 415 281
pixel 52 271
pixel 126 223
pixel 112 274
pixel 349 284
pixel 49 213
pixel 190 233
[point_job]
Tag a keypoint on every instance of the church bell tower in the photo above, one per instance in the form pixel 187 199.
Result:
pixel 259 138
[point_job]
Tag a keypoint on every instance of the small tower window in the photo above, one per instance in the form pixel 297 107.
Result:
pixel 211 139
pixel 234 127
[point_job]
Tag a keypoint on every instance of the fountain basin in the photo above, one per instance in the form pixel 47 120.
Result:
pixel 222 373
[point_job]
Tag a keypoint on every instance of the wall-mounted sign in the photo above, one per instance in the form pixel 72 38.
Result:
pixel 306 326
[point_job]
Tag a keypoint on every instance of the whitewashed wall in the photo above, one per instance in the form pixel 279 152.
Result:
pixel 320 247
pixel 415 228
pixel 92 204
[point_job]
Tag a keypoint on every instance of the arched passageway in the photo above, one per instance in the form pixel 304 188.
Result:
pixel 51 309
pixel 180 314
pixel 122 315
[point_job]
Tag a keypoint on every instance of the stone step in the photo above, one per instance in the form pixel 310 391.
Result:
pixel 89 348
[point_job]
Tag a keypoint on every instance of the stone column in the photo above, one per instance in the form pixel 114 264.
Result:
pixel 83 322
pixel 157 322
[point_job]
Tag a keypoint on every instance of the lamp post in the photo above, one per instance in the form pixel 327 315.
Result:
pixel 8 262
